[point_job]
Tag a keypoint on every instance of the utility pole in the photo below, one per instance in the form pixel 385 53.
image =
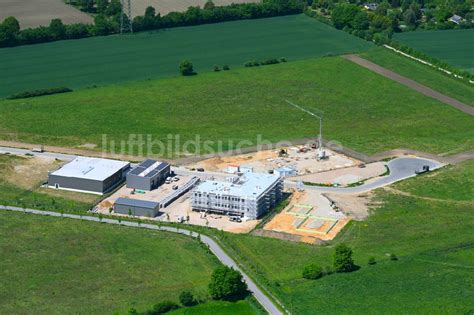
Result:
pixel 126 26
pixel 320 117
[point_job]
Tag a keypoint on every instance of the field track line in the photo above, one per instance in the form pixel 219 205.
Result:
pixel 423 89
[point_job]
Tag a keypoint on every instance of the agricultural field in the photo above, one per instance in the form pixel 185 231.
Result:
pixel 167 6
pixel 422 74
pixel 428 229
pixel 33 13
pixel 363 111
pixel 58 266
pixel 114 59
pixel 452 46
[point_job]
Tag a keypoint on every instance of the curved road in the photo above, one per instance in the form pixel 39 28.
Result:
pixel 262 298
pixel 400 168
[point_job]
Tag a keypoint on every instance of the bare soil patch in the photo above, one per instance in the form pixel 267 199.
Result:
pixel 30 173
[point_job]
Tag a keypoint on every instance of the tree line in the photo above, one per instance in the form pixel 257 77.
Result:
pixel 108 15
pixel 379 19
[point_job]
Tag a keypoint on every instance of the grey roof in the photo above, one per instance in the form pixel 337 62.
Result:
pixel 137 203
pixel 455 18
pixel 250 185
pixel 90 168
pixel 149 168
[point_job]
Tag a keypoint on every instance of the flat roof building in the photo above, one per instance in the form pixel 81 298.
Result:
pixel 136 207
pixel 148 175
pixel 285 171
pixel 250 195
pixel 91 175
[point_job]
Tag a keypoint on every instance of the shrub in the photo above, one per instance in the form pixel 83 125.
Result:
pixel 283 59
pixel 225 67
pixel 41 92
pixel 343 259
pixel 248 64
pixel 186 298
pixel 186 68
pixel 132 311
pixel 271 61
pixel 372 261
pixel 163 307
pixel 216 68
pixel 227 284
pixel 312 272
pixel 393 257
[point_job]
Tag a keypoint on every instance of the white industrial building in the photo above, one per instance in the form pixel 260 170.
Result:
pixel 91 175
pixel 250 195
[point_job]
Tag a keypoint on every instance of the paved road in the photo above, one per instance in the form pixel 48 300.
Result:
pixel 60 156
pixel 411 84
pixel 400 168
pixel 213 246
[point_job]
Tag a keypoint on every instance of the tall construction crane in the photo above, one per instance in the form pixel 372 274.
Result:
pixel 126 26
pixel 320 117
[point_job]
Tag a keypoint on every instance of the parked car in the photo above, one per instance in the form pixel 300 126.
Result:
pixel 200 169
pixel 235 219
pixel 426 168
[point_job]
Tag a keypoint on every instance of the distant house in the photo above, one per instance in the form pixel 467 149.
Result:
pixel 455 19
pixel 371 6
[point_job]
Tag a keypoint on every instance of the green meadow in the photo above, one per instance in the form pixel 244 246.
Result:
pixel 427 227
pixel 362 110
pixel 112 59
pixel 62 266
pixel 421 73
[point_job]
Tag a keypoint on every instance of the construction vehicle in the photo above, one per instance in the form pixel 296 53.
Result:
pixel 283 152
pixel 322 155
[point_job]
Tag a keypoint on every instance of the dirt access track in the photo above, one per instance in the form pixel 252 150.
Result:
pixel 33 13
pixel 411 84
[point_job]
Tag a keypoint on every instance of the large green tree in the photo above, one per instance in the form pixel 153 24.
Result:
pixel 57 29
pixel 227 284
pixel 344 14
pixel 343 259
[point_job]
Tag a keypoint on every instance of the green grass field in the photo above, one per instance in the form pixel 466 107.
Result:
pixel 363 111
pixel 112 59
pixel 220 308
pixel 433 240
pixel 455 47
pixel 422 74
pixel 60 266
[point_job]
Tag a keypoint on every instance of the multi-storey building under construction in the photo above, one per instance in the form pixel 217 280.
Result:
pixel 250 195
